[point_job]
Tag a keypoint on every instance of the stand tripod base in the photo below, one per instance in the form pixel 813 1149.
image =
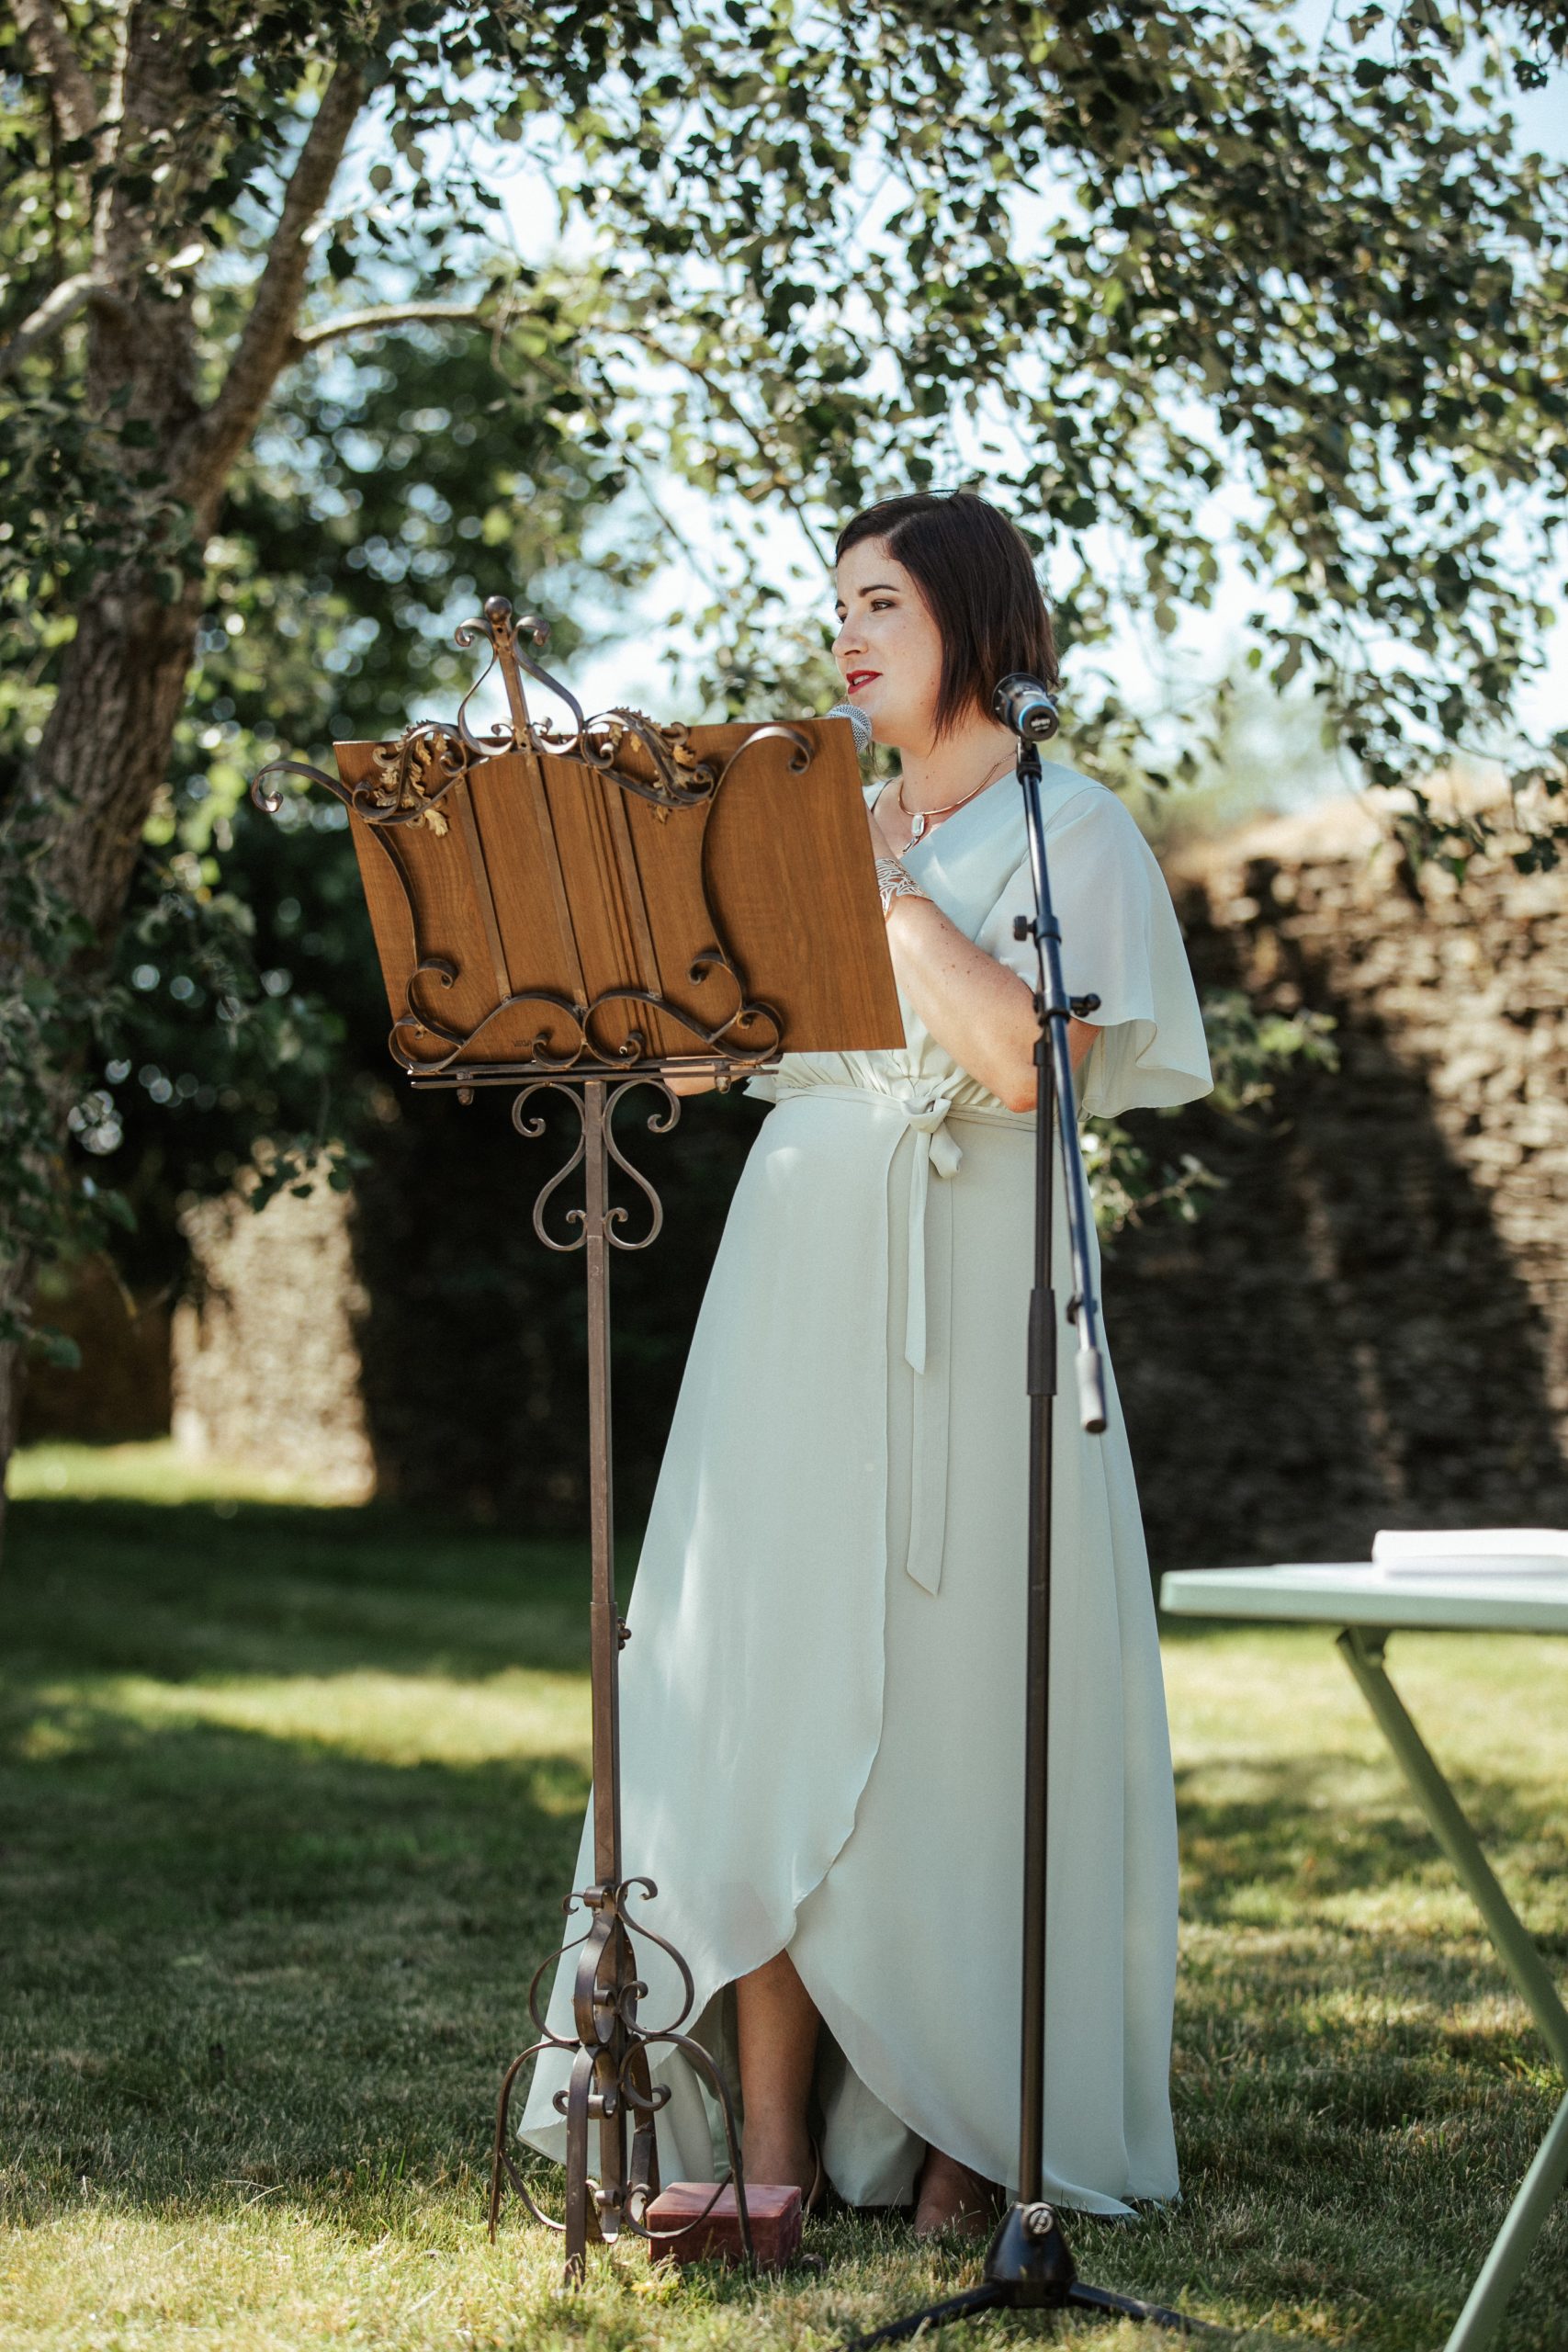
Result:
pixel 1029 2267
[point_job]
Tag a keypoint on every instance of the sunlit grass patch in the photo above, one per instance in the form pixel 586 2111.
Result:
pixel 153 1470
pixel 386 1718
pixel 289 1799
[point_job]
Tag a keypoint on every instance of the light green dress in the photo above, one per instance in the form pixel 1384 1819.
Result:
pixel 823 1693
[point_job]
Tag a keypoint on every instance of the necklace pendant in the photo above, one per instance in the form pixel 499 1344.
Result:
pixel 919 827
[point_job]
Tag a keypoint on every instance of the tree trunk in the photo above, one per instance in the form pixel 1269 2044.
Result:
pixel 104 748
pixel 104 753
pixel 17 1277
pixel 86 801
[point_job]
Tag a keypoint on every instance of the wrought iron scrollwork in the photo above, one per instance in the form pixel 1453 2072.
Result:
pixel 610 2069
pixel 763 1037
pixel 408 780
pixel 680 780
pixel 532 1126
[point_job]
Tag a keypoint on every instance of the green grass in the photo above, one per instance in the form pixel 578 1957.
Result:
pixel 288 1796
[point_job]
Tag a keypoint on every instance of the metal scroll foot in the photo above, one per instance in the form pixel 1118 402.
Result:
pixel 610 2079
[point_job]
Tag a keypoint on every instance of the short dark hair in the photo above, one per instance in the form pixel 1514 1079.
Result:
pixel 974 570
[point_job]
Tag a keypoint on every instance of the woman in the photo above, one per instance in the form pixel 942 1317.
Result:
pixel 823 1693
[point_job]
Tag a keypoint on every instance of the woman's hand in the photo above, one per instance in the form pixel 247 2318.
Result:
pixel 979 1009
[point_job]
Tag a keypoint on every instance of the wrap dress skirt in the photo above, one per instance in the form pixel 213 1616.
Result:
pixel 822 1695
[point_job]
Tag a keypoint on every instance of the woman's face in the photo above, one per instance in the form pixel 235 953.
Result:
pixel 888 648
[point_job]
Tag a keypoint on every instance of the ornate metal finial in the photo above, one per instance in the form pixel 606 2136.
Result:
pixel 411 778
pixel 680 780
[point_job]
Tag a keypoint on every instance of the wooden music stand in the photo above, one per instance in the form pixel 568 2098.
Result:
pixel 589 909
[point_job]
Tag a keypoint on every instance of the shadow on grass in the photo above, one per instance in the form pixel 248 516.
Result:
pixel 248 1960
pixel 1292 1832
pixel 251 1588
pixel 253 1954
pixel 234 1958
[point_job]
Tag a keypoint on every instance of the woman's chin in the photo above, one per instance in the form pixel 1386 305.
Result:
pixel 886 730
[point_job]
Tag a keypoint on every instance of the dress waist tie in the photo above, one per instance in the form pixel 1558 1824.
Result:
pixel 936 1151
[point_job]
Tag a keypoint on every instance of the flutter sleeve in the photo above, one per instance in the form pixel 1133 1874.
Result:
pixel 1120 942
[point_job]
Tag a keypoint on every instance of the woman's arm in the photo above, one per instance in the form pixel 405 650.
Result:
pixel 983 1013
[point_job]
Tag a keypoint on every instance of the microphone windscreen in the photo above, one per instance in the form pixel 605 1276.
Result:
pixel 858 722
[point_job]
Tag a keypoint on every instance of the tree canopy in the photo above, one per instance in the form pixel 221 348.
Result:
pixel 1159 274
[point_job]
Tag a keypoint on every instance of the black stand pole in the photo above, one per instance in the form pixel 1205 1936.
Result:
pixel 1028 2265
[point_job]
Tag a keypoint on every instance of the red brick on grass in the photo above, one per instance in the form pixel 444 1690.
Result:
pixel 774 2215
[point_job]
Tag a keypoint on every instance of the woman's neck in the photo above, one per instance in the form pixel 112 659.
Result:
pixel 976 750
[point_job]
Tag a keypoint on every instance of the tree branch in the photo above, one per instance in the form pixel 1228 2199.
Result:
pixel 386 314
pixel 269 332
pixel 55 56
pixel 726 404
pixel 54 312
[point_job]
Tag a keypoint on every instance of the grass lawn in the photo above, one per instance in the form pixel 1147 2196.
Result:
pixel 288 1795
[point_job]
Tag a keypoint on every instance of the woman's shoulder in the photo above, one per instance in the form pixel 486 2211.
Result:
pixel 1079 810
pixel 1069 791
pixel 1089 815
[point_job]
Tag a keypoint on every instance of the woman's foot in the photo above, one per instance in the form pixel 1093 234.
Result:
pixel 779 2155
pixel 950 2197
pixel 777 2026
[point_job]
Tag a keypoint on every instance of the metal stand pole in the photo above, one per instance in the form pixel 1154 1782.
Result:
pixel 610 2070
pixel 1028 2264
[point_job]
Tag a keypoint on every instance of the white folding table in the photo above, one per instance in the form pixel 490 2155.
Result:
pixel 1481 1586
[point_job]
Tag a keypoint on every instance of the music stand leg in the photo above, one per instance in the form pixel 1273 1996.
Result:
pixel 1363 1649
pixel 610 2070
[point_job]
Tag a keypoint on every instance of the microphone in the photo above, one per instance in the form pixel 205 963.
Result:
pixel 860 724
pixel 1027 707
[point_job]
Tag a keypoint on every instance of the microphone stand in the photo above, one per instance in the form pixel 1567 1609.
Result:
pixel 1028 2265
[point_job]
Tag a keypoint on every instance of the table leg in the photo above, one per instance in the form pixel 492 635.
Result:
pixel 1364 1652
pixel 1501 2271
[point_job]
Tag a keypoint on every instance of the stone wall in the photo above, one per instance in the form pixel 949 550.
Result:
pixel 120 1389
pixel 1368 1328
pixel 1369 1325
pixel 419 1342
pixel 266 1351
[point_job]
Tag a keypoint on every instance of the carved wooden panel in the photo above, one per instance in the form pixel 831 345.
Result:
pixel 541 884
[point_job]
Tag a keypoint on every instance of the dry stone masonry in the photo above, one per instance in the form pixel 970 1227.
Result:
pixel 265 1345
pixel 1369 1327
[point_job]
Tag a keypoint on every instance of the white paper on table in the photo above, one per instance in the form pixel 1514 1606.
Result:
pixel 1470 1550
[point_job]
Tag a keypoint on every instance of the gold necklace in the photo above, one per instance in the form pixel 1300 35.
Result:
pixel 920 818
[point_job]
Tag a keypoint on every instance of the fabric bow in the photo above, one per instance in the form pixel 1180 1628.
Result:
pixel 935 1148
